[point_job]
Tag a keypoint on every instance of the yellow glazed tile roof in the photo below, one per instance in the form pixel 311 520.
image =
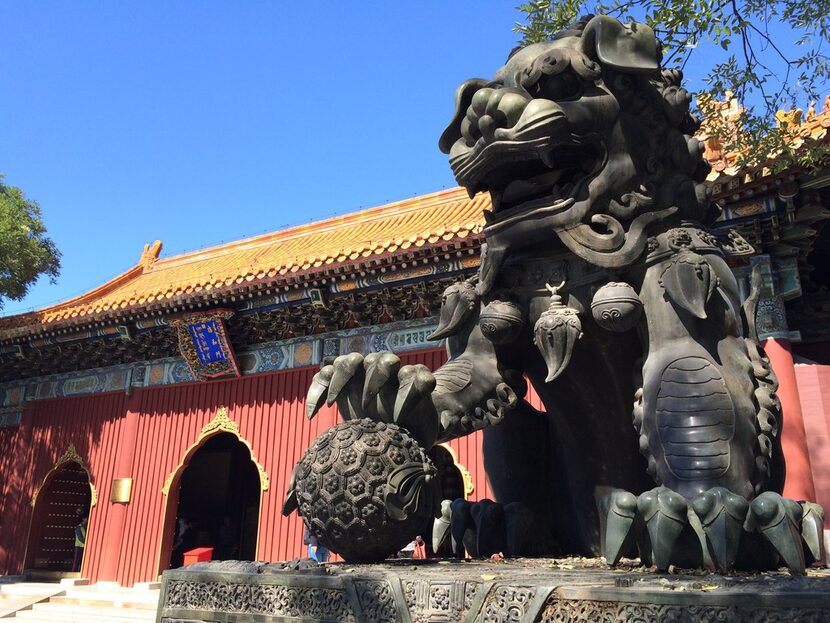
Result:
pixel 275 258
pixel 812 126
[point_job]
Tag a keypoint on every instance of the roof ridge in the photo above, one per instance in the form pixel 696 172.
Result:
pixel 298 231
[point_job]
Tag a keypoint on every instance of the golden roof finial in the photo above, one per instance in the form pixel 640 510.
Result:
pixel 150 255
pixel 789 119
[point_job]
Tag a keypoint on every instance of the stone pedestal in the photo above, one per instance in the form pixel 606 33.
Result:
pixel 520 591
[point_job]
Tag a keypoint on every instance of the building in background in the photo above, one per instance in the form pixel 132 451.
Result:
pixel 167 405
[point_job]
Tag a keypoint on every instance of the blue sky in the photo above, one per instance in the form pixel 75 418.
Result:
pixel 201 122
pixel 197 122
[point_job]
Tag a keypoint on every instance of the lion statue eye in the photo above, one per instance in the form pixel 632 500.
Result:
pixel 563 86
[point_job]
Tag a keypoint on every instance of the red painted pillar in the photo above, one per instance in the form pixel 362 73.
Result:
pixel 114 538
pixel 799 483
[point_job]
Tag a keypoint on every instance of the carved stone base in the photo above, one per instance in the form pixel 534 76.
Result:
pixel 519 590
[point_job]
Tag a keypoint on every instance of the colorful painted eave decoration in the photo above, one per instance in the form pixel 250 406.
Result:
pixel 204 344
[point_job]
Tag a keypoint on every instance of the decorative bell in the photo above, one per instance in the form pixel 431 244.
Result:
pixel 616 307
pixel 501 321
pixel 556 332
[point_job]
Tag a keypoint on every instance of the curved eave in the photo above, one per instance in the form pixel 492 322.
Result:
pixel 241 287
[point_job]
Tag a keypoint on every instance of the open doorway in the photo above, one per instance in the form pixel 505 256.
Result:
pixel 449 474
pixel 57 536
pixel 216 503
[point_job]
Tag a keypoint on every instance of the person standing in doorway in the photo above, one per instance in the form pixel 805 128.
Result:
pixel 185 540
pixel 226 548
pixel 80 544
pixel 316 551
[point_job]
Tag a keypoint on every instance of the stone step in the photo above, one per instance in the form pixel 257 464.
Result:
pixel 30 616
pixel 79 603
pixel 63 600
pixel 14 597
pixel 30 588
pixel 74 611
pixel 88 614
pixel 119 595
pixel 11 605
pixel 36 575
pixel 102 603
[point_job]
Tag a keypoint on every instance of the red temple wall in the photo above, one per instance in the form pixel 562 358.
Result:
pixel 814 392
pixel 47 428
pixel 13 489
pixel 146 436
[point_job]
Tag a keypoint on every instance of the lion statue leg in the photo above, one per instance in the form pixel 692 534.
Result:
pixel 559 462
pixel 708 421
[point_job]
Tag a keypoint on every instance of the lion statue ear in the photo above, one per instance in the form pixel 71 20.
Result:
pixel 630 48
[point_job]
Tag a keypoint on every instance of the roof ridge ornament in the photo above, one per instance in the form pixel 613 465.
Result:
pixel 150 255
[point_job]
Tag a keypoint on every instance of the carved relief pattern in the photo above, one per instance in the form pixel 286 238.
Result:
pixel 735 244
pixel 679 239
pixel 771 318
pixel 583 611
pixel 377 601
pixel 439 597
pixel 289 601
pixel 698 240
pixel 470 590
pixel 438 602
pixel 508 604
pixel 71 455
pixel 220 423
pixel 410 595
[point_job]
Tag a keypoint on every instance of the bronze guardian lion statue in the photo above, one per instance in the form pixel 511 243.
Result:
pixel 603 285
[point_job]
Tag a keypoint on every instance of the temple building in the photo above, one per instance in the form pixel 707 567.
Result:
pixel 167 405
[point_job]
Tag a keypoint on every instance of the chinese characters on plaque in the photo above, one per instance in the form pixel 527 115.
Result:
pixel 204 344
pixel 206 340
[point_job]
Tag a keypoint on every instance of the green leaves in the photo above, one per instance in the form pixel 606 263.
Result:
pixel 546 18
pixel 760 72
pixel 25 250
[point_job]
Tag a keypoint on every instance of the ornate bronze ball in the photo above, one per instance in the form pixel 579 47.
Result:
pixel 366 489
pixel 616 307
pixel 501 321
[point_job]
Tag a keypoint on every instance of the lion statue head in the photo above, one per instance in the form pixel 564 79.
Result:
pixel 585 135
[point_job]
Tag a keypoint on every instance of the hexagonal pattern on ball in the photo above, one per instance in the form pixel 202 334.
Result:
pixel 342 482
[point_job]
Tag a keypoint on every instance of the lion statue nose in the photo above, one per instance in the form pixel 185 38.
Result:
pixel 491 109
